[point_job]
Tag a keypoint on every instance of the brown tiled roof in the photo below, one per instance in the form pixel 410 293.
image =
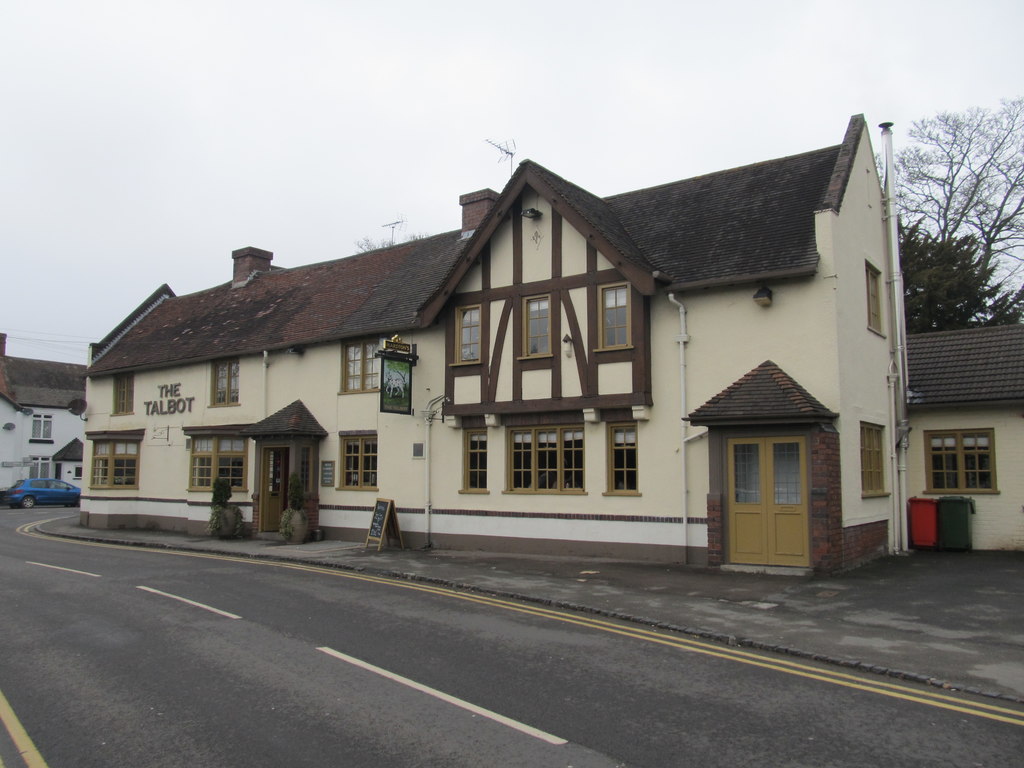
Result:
pixel 732 225
pixel 371 293
pixel 766 394
pixel 293 419
pixel 741 225
pixel 42 383
pixel 976 365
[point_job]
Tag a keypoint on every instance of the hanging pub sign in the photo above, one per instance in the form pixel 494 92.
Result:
pixel 397 359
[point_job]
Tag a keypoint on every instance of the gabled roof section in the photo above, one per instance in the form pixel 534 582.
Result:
pixel 42 383
pixel 968 367
pixel 292 420
pixel 371 293
pixel 589 214
pixel 765 395
pixel 742 225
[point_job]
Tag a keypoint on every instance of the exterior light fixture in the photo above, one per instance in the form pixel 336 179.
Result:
pixel 763 297
pixel 531 213
pixel 567 341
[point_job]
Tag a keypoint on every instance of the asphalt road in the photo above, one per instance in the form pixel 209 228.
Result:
pixel 271 664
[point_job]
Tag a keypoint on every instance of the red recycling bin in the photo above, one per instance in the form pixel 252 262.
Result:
pixel 924 523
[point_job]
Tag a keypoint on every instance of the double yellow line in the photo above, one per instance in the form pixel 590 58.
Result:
pixel 895 690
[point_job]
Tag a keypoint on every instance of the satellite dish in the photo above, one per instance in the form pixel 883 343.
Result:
pixel 9 426
pixel 77 406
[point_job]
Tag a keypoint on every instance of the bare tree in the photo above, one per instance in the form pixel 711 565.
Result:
pixel 965 176
pixel 365 244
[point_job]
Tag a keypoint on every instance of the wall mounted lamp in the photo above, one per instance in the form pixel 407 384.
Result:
pixel 531 213
pixel 763 297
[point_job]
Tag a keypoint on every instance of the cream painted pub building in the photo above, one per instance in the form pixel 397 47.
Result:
pixel 693 372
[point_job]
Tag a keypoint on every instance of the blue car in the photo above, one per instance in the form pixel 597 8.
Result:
pixel 40 490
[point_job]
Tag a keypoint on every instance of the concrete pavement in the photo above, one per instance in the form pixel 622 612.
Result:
pixel 947 619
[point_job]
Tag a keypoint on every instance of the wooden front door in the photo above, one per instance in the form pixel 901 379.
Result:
pixel 273 487
pixel 768 512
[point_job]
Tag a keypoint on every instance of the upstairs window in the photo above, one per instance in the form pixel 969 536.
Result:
pixel 874 297
pixel 42 426
pixel 537 326
pixel 872 460
pixel 614 316
pixel 468 330
pixel 362 367
pixel 124 393
pixel 225 382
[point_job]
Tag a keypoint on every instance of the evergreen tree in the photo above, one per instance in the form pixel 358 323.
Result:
pixel 948 285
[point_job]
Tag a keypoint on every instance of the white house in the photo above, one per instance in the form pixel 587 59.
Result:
pixel 697 371
pixel 41 435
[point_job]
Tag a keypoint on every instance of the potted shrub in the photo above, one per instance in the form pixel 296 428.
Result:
pixel 225 519
pixel 294 521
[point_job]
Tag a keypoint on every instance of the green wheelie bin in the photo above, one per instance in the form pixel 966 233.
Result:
pixel 955 522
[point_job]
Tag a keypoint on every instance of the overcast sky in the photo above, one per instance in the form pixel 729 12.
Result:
pixel 141 141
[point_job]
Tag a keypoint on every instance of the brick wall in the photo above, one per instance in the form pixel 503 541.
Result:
pixel 826 512
pixel 862 543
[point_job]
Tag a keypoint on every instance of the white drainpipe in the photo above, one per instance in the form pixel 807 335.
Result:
pixel 899 351
pixel 681 340
pixel 428 419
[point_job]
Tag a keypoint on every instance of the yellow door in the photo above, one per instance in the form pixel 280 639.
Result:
pixel 272 493
pixel 768 520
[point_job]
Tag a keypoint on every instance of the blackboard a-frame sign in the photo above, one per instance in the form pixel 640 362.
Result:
pixel 384 524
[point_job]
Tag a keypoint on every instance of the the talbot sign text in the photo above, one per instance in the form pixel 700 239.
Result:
pixel 170 402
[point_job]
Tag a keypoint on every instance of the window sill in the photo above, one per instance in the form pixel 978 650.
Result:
pixel 358 391
pixel 225 405
pixel 123 413
pixel 40 441
pixel 622 493
pixel 962 492
pixel 877 332
pixel 545 356
pixel 367 488
pixel 463 363
pixel 542 492
pixel 613 349
pixel 475 491
pixel 875 495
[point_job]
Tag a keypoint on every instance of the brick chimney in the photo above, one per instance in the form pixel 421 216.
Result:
pixel 475 207
pixel 247 261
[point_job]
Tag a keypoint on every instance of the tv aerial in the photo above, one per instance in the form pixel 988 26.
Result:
pixel 399 223
pixel 507 149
